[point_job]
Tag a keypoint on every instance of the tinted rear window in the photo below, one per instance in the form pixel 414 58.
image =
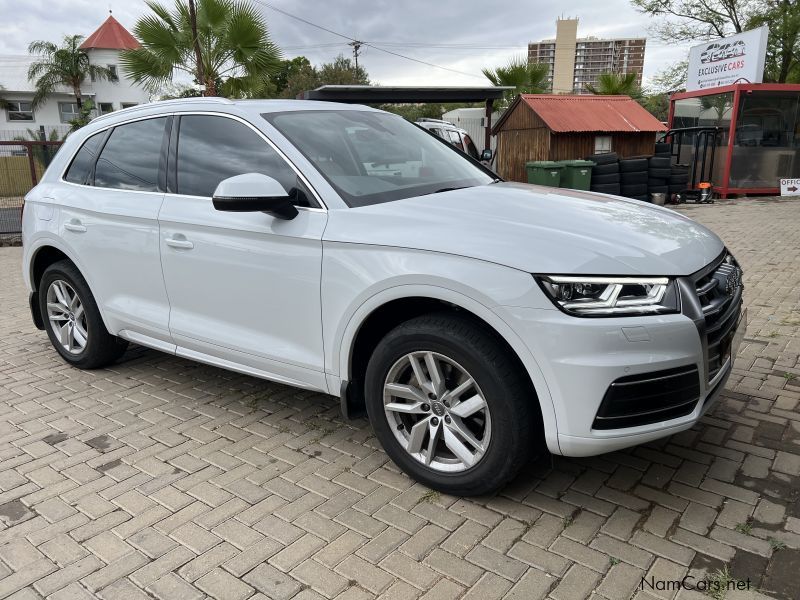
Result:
pixel 130 158
pixel 83 162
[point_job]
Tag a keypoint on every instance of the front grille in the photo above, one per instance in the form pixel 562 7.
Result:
pixel 719 291
pixel 649 398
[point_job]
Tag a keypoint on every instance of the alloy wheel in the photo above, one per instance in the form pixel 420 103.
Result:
pixel 67 317
pixel 437 411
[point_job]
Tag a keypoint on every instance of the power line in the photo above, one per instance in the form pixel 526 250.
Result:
pixel 347 37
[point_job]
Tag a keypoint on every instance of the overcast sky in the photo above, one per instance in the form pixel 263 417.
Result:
pixel 501 29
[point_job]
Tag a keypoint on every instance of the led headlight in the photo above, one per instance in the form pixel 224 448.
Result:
pixel 588 296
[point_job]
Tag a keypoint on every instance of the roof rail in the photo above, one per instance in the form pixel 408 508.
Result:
pixel 130 109
pixel 430 120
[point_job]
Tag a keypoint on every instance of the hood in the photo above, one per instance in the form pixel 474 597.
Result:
pixel 536 229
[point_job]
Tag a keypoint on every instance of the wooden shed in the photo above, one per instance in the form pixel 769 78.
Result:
pixel 564 127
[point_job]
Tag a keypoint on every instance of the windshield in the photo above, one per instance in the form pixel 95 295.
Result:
pixel 371 157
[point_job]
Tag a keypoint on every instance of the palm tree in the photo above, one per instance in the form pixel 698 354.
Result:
pixel 66 65
pixel 524 77
pixel 615 84
pixel 237 54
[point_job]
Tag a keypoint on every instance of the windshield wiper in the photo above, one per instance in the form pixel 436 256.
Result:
pixel 450 189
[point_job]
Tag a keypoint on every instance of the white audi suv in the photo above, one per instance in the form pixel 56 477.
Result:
pixel 341 249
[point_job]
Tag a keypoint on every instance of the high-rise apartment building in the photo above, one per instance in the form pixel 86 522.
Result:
pixel 574 62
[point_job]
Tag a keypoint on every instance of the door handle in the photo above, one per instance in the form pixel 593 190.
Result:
pixel 181 243
pixel 75 226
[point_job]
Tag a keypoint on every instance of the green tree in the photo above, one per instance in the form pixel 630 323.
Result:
pixel 341 71
pixel 523 76
pixel 237 52
pixel 700 20
pixel 656 104
pixel 287 70
pixel 65 65
pixel 783 47
pixel 615 84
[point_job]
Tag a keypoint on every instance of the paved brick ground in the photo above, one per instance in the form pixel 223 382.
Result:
pixel 165 479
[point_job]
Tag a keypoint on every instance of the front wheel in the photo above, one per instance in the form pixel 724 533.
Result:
pixel 450 406
pixel 73 321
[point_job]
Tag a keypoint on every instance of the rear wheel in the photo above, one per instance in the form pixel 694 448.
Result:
pixel 449 405
pixel 72 320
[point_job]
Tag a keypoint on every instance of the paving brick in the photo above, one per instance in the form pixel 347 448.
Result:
pixel 533 585
pixel 454 567
pixel 495 562
pixel 219 584
pixel 578 583
pixel 489 587
pixel 272 582
pixel 367 575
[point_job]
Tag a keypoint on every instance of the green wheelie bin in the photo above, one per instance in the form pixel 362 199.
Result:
pixel 577 174
pixel 544 172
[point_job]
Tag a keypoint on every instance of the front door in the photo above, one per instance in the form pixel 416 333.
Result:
pixel 244 288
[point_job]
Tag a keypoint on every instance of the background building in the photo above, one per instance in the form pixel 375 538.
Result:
pixel 574 61
pixel 103 47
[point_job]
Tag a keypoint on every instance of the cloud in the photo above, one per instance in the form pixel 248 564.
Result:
pixel 488 33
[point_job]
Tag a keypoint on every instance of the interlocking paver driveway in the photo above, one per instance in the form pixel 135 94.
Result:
pixel 165 478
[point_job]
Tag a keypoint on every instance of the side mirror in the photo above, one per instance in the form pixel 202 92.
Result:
pixel 487 155
pixel 254 192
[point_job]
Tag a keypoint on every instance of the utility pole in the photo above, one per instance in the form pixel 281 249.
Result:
pixel 356 50
pixel 198 55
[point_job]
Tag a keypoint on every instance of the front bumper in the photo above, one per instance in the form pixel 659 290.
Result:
pixel 580 359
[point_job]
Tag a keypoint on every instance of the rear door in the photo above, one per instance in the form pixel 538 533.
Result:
pixel 109 217
pixel 244 288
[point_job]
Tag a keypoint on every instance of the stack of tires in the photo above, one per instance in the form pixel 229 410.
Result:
pixel 678 179
pixel 605 173
pixel 633 174
pixel 659 170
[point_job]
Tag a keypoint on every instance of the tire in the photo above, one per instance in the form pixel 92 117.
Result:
pixel 679 179
pixel 663 148
pixel 633 177
pixel 603 159
pixel 60 283
pixel 657 189
pixel 656 182
pixel 627 165
pixel 644 198
pixel 675 188
pixel 638 189
pixel 605 169
pixel 472 350
pixel 606 188
pixel 659 173
pixel 659 162
pixel 601 179
pixel 679 170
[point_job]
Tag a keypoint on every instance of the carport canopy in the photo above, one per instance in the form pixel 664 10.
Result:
pixel 396 94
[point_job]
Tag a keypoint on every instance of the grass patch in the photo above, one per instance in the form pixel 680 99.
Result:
pixel 789 376
pixel 746 528
pixel 613 560
pixel 431 497
pixel 776 544
pixel 719 583
pixel 567 521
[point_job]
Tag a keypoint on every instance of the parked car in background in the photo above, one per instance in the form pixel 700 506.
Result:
pixel 341 249
pixel 452 134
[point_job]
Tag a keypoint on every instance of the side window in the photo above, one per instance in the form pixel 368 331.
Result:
pixel 602 144
pixel 211 149
pixel 129 160
pixel 437 132
pixel 454 138
pixel 471 149
pixel 83 162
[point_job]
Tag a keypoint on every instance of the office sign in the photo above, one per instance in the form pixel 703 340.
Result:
pixel 735 59
pixel 790 187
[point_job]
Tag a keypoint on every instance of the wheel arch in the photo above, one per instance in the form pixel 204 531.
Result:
pixel 386 309
pixel 47 252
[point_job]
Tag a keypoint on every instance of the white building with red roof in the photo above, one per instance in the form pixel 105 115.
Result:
pixel 103 48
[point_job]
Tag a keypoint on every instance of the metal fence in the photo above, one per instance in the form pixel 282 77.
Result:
pixel 22 164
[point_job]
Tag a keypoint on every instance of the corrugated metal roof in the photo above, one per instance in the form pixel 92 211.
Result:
pixel 111 35
pixel 580 113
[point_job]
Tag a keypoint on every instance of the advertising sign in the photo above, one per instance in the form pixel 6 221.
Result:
pixel 735 59
pixel 790 187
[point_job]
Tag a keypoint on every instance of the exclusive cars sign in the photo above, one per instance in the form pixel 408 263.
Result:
pixel 738 58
